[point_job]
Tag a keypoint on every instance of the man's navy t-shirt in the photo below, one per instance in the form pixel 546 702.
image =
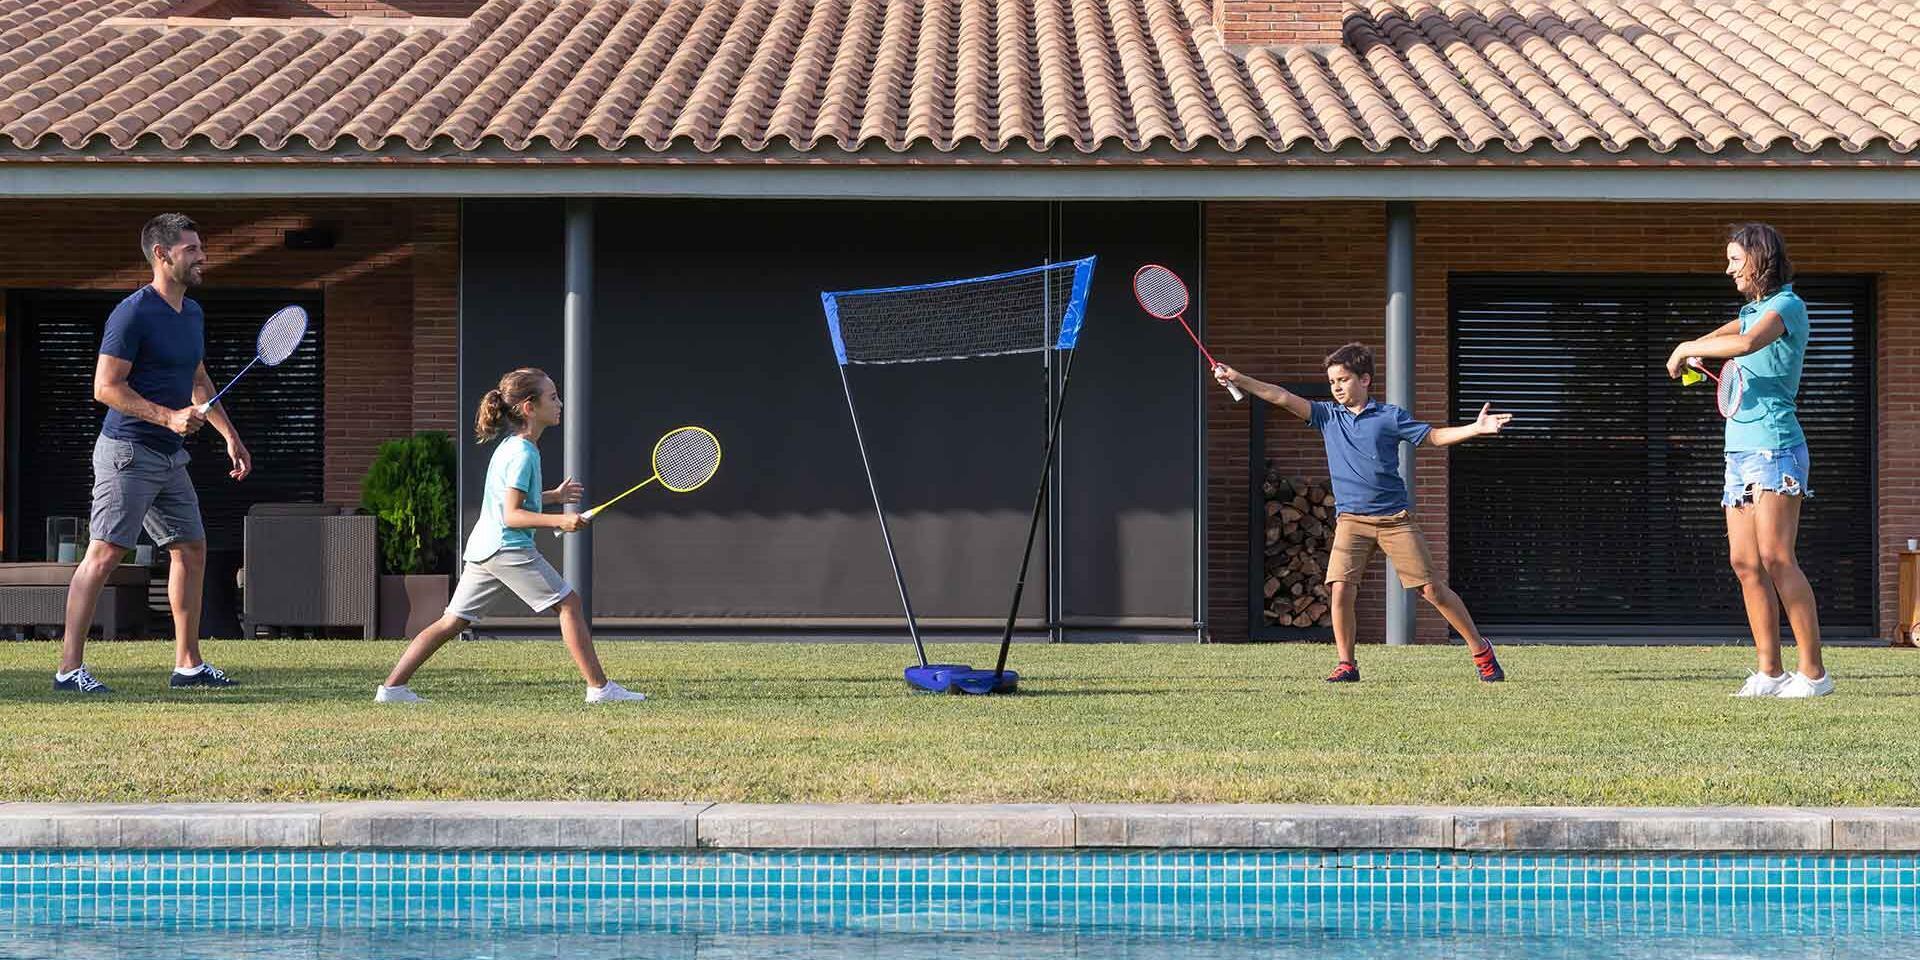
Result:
pixel 165 348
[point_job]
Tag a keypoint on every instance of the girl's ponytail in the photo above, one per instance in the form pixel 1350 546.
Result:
pixel 500 409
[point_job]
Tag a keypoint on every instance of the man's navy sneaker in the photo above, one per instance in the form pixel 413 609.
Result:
pixel 79 682
pixel 209 676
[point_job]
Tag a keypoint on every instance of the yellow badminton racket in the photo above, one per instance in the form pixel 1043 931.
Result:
pixel 683 461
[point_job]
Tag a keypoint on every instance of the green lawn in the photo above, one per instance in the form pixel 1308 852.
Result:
pixel 825 723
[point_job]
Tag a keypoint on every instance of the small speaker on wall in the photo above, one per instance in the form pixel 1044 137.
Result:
pixel 320 236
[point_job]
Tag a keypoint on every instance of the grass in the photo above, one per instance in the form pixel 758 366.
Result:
pixel 834 723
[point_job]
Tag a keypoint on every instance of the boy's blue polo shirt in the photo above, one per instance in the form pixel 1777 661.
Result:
pixel 1363 454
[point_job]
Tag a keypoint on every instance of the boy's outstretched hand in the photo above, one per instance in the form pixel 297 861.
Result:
pixel 1225 374
pixel 1489 422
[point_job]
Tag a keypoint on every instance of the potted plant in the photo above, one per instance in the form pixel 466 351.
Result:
pixel 410 491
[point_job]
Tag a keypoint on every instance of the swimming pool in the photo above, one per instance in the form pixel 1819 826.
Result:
pixel 510 905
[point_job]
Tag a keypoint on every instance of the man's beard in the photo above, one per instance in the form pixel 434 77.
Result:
pixel 188 277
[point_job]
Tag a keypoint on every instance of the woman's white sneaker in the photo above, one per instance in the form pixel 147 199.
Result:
pixel 1761 685
pixel 1798 687
pixel 612 692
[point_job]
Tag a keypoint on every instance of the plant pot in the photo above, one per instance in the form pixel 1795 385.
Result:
pixel 409 603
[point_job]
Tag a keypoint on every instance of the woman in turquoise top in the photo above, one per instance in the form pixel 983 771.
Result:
pixel 1768 470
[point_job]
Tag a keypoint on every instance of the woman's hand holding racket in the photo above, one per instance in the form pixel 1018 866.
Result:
pixel 1731 381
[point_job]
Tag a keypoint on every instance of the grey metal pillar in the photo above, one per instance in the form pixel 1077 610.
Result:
pixel 576 389
pixel 1400 385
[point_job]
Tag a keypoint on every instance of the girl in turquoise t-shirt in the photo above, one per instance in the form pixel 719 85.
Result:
pixel 1767 467
pixel 500 555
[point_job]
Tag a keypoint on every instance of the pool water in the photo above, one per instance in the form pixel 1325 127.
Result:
pixel 515 905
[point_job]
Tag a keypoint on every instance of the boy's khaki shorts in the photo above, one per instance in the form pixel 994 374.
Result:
pixel 1356 535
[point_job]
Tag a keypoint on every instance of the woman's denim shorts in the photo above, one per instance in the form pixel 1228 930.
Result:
pixel 1751 471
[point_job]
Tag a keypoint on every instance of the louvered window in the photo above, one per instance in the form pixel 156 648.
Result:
pixel 1598 511
pixel 54 341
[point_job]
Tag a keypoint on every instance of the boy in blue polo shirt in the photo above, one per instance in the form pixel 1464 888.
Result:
pixel 1363 438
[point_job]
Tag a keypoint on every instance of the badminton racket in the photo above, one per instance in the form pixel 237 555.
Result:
pixel 278 338
pixel 1163 295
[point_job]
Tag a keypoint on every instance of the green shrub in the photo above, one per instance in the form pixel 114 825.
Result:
pixel 410 489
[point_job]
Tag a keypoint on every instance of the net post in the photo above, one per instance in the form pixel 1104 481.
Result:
pixel 886 537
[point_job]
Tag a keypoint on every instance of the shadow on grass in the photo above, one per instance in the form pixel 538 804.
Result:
pixel 271 685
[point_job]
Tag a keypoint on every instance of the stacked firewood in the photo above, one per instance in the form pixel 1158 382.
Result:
pixel 1299 534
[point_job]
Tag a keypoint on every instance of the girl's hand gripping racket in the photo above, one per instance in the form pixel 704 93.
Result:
pixel 1163 295
pixel 683 461
pixel 1731 381
pixel 279 337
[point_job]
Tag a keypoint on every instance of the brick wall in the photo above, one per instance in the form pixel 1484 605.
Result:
pixel 1262 22
pixel 394 262
pixel 436 306
pixel 1287 282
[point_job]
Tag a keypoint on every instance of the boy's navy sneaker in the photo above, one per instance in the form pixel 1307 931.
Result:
pixel 1346 672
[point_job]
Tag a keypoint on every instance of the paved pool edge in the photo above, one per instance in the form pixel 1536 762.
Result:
pixel 604 825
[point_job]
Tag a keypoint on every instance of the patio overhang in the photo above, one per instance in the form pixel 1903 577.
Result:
pixel 96 179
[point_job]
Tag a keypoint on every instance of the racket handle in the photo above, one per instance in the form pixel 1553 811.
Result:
pixel 585 513
pixel 1232 388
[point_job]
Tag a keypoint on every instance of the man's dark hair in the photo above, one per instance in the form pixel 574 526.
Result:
pixel 164 231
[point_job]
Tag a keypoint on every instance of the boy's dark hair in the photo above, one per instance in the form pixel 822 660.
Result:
pixel 164 231
pixel 1766 255
pixel 1355 357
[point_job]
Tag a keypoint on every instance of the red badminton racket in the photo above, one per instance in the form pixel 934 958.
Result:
pixel 1163 295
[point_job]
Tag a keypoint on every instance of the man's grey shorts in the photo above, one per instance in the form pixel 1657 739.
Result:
pixel 524 572
pixel 135 485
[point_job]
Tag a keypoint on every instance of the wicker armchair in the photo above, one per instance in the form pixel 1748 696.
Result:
pixel 34 595
pixel 309 565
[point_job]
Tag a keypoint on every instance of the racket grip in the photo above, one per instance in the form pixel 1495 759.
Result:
pixel 1235 390
pixel 585 513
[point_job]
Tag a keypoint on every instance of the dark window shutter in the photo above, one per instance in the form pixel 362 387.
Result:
pixel 1599 508
pixel 279 410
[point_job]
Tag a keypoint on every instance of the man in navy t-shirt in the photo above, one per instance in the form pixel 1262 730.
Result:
pixel 150 374
pixel 1363 438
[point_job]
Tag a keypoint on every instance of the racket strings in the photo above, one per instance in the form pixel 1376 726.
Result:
pixel 1160 292
pixel 281 335
pixel 1730 388
pixel 686 458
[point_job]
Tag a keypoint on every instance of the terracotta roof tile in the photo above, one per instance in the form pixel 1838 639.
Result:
pixel 855 78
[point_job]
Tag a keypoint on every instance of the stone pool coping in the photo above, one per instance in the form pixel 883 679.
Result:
pixel 738 826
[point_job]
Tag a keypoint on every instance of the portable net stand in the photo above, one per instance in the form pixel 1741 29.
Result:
pixel 1025 311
